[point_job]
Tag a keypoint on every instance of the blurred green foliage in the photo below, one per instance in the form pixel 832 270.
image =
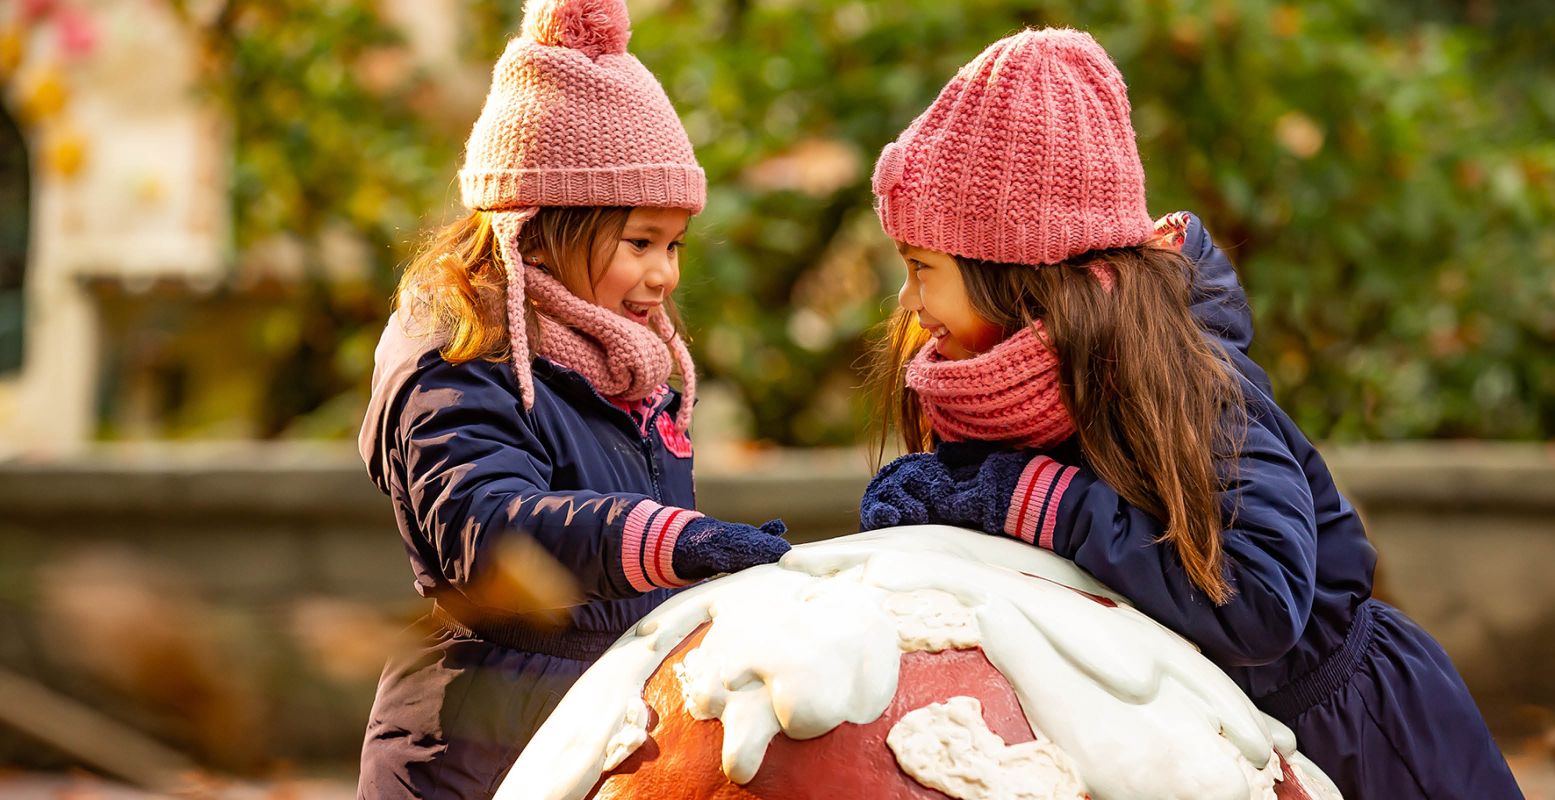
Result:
pixel 1383 173
pixel 333 132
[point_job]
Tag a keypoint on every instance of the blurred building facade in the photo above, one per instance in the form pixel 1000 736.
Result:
pixel 126 168
pixel 117 239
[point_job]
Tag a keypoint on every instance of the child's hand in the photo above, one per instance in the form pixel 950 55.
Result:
pixel 903 492
pixel 709 547
pixel 966 485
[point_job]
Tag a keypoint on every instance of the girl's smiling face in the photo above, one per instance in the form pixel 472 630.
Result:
pixel 935 292
pixel 644 267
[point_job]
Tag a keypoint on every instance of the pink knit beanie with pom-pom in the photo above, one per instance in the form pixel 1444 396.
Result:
pixel 573 119
pixel 1027 157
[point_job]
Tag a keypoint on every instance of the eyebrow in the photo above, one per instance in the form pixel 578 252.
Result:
pixel 903 247
pixel 651 229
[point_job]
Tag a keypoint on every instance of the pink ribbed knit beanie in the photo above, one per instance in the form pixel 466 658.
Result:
pixel 1027 156
pixel 572 119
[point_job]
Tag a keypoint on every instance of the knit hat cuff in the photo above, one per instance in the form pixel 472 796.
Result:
pixel 651 185
pixel 1006 243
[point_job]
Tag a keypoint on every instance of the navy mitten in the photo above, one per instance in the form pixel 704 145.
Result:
pixel 709 547
pixel 902 491
pixel 968 484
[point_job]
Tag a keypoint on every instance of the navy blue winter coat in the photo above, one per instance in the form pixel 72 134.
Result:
pixel 1372 697
pixel 600 487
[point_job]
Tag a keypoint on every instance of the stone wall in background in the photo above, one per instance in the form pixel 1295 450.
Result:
pixel 237 602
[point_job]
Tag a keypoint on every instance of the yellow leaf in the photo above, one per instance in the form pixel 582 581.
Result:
pixel 65 154
pixel 45 96
pixel 12 49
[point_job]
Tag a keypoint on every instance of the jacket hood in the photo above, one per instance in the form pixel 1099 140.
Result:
pixel 395 360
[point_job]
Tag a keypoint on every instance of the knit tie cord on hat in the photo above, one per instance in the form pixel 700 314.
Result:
pixel 1008 394
pixel 620 358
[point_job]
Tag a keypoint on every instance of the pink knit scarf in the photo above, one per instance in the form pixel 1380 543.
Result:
pixel 622 359
pixel 1008 394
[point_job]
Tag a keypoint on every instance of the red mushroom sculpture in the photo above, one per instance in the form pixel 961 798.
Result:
pixel 921 662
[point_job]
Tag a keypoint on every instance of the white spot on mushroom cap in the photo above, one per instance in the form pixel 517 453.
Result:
pixel 948 746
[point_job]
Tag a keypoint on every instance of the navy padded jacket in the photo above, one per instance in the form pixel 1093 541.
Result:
pixel 603 491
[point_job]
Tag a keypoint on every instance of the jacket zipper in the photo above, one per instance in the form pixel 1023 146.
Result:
pixel 645 441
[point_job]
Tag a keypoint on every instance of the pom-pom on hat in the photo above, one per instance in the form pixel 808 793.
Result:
pixel 591 28
pixel 1027 156
pixel 572 119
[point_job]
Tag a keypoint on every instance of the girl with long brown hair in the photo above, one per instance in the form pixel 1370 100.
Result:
pixel 1064 371
pixel 523 422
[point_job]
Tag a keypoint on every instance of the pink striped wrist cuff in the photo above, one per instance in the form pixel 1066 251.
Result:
pixel 648 545
pixel 1033 511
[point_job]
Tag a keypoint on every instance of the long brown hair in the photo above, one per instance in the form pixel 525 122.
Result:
pixel 457 286
pixel 1156 404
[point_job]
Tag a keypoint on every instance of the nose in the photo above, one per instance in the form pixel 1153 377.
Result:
pixel 663 273
pixel 907 296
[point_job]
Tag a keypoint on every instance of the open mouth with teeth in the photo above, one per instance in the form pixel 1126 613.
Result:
pixel 935 330
pixel 638 311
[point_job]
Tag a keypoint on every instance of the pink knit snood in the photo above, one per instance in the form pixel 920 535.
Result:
pixel 622 359
pixel 1008 394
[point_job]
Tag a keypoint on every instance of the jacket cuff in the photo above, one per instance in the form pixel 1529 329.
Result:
pixel 1033 513
pixel 648 545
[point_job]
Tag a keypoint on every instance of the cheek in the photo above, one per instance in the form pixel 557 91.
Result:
pixel 981 335
pixel 619 277
pixel 971 330
pixel 940 301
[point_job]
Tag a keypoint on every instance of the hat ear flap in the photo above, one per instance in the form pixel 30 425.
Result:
pixel 508 225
